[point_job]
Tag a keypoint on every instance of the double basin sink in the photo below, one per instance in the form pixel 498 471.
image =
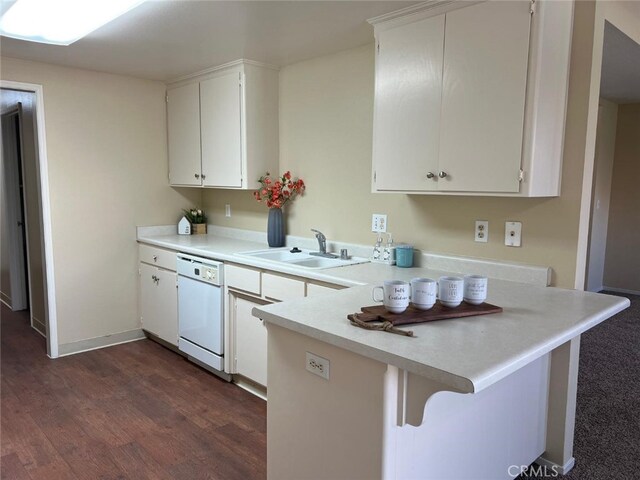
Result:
pixel 301 258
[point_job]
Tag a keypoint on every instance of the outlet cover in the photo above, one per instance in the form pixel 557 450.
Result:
pixel 378 223
pixel 482 231
pixel 513 234
pixel 318 365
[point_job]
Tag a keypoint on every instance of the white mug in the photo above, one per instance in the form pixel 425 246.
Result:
pixel 475 289
pixel 395 295
pixel 450 290
pixel 423 293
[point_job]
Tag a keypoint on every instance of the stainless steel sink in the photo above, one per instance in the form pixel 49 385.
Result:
pixel 303 258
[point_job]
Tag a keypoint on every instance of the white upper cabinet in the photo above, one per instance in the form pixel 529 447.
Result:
pixel 471 99
pixel 408 98
pixel 221 130
pixel 232 113
pixel 183 125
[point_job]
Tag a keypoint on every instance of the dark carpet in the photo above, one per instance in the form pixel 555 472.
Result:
pixel 607 434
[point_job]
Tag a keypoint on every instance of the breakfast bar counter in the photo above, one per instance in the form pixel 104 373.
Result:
pixel 464 398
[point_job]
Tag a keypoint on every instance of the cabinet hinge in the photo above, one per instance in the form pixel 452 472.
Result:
pixel 378 47
pixel 166 98
pixel 139 272
pixel 521 176
pixel 375 174
pixel 532 7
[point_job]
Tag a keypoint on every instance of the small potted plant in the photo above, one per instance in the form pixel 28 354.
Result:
pixel 276 193
pixel 198 220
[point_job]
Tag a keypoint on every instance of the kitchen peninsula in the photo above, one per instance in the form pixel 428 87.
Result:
pixel 465 398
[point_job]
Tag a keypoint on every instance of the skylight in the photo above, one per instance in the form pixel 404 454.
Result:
pixel 60 22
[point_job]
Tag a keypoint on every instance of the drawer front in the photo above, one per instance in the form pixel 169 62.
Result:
pixel 158 257
pixel 314 289
pixel 275 287
pixel 241 278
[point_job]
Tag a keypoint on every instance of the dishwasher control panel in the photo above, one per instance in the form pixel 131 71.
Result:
pixel 205 270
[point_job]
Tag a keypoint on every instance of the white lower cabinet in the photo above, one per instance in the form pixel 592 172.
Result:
pixel 248 288
pixel 251 340
pixel 159 302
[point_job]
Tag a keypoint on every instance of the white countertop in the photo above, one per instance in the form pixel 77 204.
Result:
pixel 468 354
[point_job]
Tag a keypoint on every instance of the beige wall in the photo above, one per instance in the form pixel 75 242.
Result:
pixel 9 99
pixel 601 193
pixel 107 158
pixel 326 112
pixel 622 265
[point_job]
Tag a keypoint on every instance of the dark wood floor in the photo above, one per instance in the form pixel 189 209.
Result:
pixel 132 411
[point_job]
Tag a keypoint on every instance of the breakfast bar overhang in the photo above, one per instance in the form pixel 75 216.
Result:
pixel 474 397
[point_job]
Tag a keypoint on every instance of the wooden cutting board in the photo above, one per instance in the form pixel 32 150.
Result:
pixel 438 312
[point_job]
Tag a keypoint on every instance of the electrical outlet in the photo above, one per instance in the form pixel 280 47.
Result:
pixel 513 234
pixel 482 231
pixel 227 210
pixel 378 223
pixel 318 365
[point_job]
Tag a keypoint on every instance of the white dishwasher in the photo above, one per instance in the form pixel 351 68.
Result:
pixel 200 312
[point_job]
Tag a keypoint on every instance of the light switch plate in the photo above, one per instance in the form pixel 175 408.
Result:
pixel 513 234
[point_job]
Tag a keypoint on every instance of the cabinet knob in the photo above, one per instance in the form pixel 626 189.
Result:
pixel 442 174
pixel 430 175
pixel 203 176
pixel 197 175
pixel 155 258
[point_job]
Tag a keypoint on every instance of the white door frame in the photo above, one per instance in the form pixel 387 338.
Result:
pixel 50 310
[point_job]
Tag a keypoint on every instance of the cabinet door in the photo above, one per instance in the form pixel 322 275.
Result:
pixel 221 130
pixel 159 302
pixel 183 125
pixel 407 105
pixel 485 77
pixel 251 341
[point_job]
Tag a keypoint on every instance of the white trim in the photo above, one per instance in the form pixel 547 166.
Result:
pixel 101 342
pixel 421 10
pixel 621 290
pixel 50 312
pixel 224 66
pixel 554 467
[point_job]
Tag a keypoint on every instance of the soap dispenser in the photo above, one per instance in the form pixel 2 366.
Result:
pixel 389 252
pixel 377 249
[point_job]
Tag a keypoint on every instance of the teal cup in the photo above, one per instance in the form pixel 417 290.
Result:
pixel 404 256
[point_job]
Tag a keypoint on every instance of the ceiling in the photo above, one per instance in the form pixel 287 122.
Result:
pixel 620 81
pixel 165 39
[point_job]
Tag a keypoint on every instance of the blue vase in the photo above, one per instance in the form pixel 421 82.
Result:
pixel 275 228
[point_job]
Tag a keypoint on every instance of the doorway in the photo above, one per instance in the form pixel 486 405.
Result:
pixel 26 254
pixel 613 257
pixel 14 290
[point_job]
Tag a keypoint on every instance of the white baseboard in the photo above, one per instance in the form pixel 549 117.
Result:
pixel 621 290
pixel 100 342
pixel 39 326
pixel 554 468
pixel 4 298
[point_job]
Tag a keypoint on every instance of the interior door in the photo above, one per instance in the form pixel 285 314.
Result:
pixel 485 76
pixel 13 212
pixel 221 130
pixel 407 105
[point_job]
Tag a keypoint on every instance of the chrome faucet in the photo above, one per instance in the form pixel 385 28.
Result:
pixel 322 245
